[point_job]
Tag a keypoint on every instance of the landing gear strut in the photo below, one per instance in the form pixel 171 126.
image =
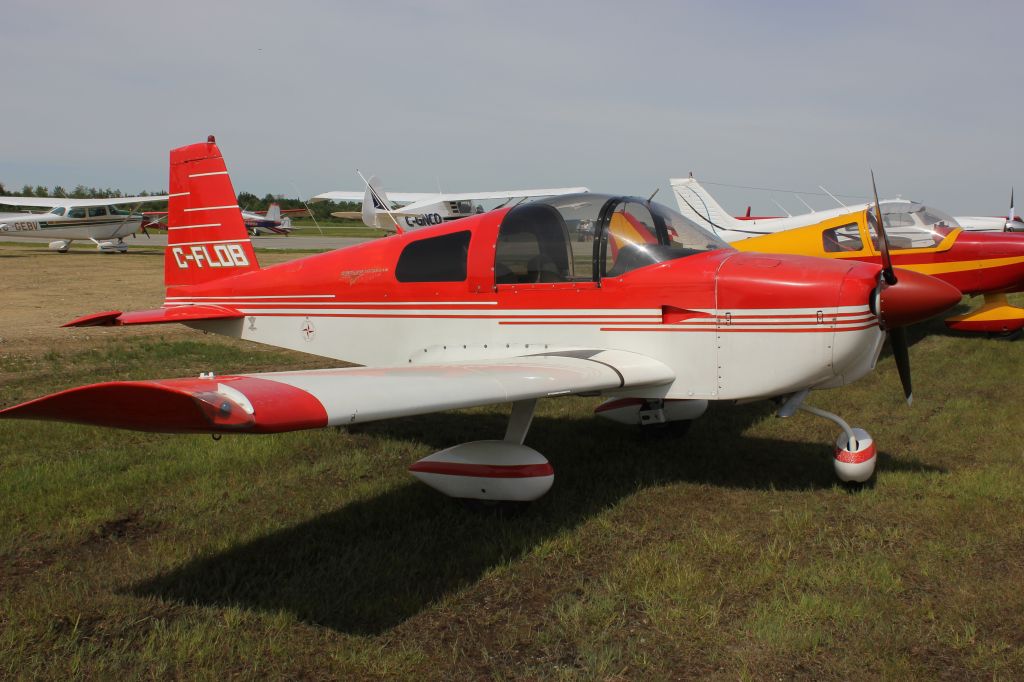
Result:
pixel 855 455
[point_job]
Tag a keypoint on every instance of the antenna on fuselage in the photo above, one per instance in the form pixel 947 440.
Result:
pixel 801 200
pixel 833 196
pixel 378 200
pixel 652 194
pixel 781 208
pixel 310 212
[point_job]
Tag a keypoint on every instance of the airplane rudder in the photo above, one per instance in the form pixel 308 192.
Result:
pixel 206 236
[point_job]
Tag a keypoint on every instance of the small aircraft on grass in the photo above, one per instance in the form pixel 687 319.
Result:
pixel 422 209
pixel 922 238
pixel 274 220
pixel 256 222
pixel 656 314
pixel 96 220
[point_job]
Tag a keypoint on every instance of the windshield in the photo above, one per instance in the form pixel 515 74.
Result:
pixel 631 233
pixel 57 210
pixel 910 225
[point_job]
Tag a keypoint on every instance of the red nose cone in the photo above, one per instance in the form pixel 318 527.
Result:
pixel 915 297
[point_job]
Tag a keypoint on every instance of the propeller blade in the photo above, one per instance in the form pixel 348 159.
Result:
pixel 883 238
pixel 1012 216
pixel 901 354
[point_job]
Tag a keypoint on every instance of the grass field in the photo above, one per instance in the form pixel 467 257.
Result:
pixel 729 553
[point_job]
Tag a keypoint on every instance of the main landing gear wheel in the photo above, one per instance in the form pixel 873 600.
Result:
pixel 661 418
pixel 496 475
pixel 672 429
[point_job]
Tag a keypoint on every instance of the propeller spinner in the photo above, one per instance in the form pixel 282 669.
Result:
pixel 911 297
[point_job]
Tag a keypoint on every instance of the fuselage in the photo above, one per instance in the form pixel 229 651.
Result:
pixel 730 325
pixel 92 222
pixel 973 262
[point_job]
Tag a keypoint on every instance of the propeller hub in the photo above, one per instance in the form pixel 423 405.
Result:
pixel 915 297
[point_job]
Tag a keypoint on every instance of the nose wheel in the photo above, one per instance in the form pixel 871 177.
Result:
pixel 855 454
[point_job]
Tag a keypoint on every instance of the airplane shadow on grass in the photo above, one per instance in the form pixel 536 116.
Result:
pixel 371 565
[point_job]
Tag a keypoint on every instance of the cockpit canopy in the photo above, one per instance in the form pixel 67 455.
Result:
pixel 910 225
pixel 581 237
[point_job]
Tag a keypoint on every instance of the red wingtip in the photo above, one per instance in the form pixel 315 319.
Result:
pixel 138 405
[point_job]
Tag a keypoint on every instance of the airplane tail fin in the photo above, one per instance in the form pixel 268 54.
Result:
pixel 696 204
pixel 376 206
pixel 274 212
pixel 206 237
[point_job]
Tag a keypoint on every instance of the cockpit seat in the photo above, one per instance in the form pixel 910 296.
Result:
pixel 631 257
pixel 541 268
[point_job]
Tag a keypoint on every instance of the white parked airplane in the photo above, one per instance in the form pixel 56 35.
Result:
pixel 421 209
pixel 96 220
pixel 1010 223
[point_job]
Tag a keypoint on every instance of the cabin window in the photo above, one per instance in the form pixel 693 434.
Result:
pixel 97 211
pixel 59 210
pixel 533 247
pixel 627 242
pixel 436 259
pixel 843 238
pixel 77 212
pixel 906 233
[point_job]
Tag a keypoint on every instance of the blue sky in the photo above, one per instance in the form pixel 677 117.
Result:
pixel 488 95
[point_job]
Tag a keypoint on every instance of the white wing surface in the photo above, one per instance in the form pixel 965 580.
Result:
pixel 433 197
pixel 288 401
pixel 53 202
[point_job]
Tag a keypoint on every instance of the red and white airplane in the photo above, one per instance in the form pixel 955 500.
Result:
pixel 655 313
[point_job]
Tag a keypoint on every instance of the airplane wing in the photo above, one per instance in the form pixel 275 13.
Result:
pixel 509 194
pixel 289 401
pixel 401 197
pixel 53 202
pixel 433 197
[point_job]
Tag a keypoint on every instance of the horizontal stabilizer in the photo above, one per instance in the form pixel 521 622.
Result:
pixel 184 313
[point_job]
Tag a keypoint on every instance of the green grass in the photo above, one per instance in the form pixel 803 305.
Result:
pixel 728 553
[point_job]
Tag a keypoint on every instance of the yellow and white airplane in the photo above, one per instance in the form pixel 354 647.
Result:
pixel 920 238
pixel 97 220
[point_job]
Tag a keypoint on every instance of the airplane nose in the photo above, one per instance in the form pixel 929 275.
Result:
pixel 914 297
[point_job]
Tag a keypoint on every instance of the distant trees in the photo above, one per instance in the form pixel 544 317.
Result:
pixel 321 210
